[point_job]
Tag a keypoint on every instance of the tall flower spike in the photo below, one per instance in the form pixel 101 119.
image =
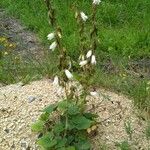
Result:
pixel 96 2
pixel 93 60
pixel 83 63
pixel 68 74
pixel 89 54
pixel 83 16
pixel 53 46
pixel 50 36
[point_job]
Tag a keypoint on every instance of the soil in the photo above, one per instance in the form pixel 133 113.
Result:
pixel 27 43
pixel 20 106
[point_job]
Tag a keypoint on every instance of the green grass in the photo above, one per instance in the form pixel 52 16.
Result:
pixel 124 35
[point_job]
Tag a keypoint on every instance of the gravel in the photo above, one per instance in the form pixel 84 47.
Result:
pixel 20 106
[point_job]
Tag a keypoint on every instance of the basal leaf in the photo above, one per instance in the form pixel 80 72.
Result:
pixel 38 126
pixel 50 108
pixel 47 141
pixel 58 128
pixel 62 106
pixel 81 122
pixel 73 110
pixel 61 143
pixel 70 148
pixel 44 116
pixel 90 116
pixel 83 145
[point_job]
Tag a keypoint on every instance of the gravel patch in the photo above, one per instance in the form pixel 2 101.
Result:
pixel 20 106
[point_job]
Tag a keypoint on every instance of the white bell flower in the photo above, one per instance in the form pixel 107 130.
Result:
pixel 93 60
pixel 53 46
pixel 83 63
pixel 68 74
pixel 94 93
pixel 50 36
pixel 83 16
pixel 56 80
pixel 89 54
pixel 96 2
pixel 81 57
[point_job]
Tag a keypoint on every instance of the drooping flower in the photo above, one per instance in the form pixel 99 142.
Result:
pixel 56 80
pixel 68 74
pixel 94 93
pixel 93 60
pixel 89 54
pixel 83 16
pixel 83 63
pixel 96 2
pixel 81 57
pixel 53 46
pixel 50 36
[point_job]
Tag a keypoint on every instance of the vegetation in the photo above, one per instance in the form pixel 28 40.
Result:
pixel 66 125
pixel 124 42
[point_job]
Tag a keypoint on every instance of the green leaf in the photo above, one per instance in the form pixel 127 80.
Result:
pixel 50 108
pixel 70 148
pixel 44 117
pixel 58 128
pixel 47 141
pixel 80 122
pixel 63 105
pixel 73 110
pixel 61 142
pixel 90 116
pixel 38 126
pixel 83 145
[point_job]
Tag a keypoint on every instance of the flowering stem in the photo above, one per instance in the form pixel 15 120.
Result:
pixel 94 31
pixel 58 34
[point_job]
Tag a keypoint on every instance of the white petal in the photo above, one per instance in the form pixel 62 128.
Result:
pixel 93 60
pixel 96 2
pixel 81 57
pixel 53 46
pixel 83 63
pixel 56 80
pixel 94 93
pixel 83 16
pixel 68 74
pixel 89 54
pixel 50 36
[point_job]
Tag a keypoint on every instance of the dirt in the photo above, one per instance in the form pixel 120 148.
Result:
pixel 20 106
pixel 27 43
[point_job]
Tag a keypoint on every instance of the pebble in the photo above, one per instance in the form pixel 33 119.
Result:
pixel 31 99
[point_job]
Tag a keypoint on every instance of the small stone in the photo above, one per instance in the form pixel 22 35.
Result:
pixel 24 144
pixel 1 140
pixel 6 130
pixel 31 99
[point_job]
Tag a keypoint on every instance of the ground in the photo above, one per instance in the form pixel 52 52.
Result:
pixel 20 105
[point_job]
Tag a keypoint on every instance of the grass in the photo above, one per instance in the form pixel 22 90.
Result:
pixel 124 36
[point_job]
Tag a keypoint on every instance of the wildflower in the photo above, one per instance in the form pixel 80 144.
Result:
pixel 83 16
pixel 53 46
pixel 96 2
pixel 93 60
pixel 89 54
pixel 56 80
pixel 5 53
pixel 81 57
pixel 68 74
pixel 50 36
pixel 83 63
pixel 94 93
